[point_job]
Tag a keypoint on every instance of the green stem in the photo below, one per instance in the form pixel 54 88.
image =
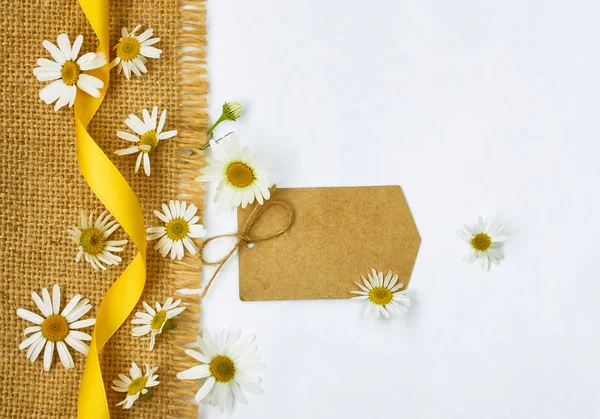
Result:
pixel 169 325
pixel 205 146
pixel 221 119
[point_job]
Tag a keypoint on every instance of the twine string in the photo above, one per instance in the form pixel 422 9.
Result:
pixel 244 236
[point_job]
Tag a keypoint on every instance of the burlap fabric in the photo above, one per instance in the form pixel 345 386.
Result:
pixel 42 192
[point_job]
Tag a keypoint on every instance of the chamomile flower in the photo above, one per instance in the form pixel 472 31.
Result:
pixel 485 241
pixel 67 72
pixel 241 175
pixel 134 50
pixel 153 321
pixel 56 329
pixel 92 237
pixel 383 295
pixel 147 138
pixel 228 365
pixel 180 227
pixel 135 386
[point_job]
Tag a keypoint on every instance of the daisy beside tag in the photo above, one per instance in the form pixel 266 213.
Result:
pixel 242 177
pixel 382 294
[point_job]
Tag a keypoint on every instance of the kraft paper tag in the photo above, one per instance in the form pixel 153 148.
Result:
pixel 337 235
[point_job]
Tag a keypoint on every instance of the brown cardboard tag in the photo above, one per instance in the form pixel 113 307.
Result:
pixel 338 234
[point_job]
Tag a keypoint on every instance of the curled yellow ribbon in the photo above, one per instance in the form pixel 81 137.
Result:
pixel 115 193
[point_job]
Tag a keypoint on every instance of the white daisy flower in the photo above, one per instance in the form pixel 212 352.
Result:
pixel 147 138
pixel 485 241
pixel 153 321
pixel 92 239
pixel 228 365
pixel 135 386
pixel 133 51
pixel 241 175
pixel 56 329
pixel 67 72
pixel 383 294
pixel 178 231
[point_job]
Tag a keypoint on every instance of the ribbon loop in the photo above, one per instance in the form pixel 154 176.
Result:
pixel 237 244
pixel 244 236
pixel 257 215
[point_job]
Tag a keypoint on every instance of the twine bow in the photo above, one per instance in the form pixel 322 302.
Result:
pixel 244 236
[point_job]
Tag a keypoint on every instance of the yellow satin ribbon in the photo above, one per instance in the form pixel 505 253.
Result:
pixel 113 191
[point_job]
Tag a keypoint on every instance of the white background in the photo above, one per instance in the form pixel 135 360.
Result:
pixel 473 107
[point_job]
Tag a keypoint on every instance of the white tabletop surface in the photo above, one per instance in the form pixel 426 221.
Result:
pixel 473 107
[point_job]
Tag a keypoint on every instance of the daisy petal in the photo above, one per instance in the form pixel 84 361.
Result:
pixel 65 45
pixel 76 47
pixel 194 373
pixel 205 389
pixel 48 354
pixel 64 355
pixel 28 315
pixel 58 56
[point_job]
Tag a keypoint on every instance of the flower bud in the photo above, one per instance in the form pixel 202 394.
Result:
pixel 232 110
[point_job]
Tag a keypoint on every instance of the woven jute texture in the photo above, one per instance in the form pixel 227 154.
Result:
pixel 42 192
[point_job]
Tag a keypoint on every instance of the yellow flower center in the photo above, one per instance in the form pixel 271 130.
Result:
pixel 177 229
pixel 380 296
pixel 70 72
pixel 481 242
pixel 222 368
pixel 128 48
pixel 92 241
pixel 55 328
pixel 240 174
pixel 137 385
pixel 158 320
pixel 149 138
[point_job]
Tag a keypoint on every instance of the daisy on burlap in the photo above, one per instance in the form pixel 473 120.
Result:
pixel 154 321
pixel 67 72
pixel 383 295
pixel 92 237
pixel 227 365
pixel 179 228
pixel 136 386
pixel 241 175
pixel 134 50
pixel 56 329
pixel 485 242
pixel 147 138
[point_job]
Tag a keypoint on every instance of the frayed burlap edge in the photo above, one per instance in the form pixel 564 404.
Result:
pixel 185 274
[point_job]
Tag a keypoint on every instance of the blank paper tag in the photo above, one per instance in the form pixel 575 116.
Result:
pixel 338 234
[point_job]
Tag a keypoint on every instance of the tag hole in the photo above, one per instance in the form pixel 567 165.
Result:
pixel 250 245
